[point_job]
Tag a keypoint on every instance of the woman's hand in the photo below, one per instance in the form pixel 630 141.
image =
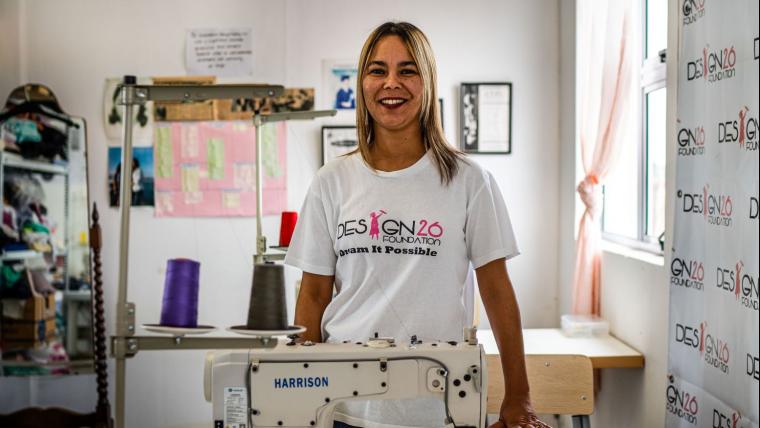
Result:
pixel 518 414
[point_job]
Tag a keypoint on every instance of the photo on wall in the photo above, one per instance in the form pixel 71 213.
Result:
pixel 113 123
pixel 142 176
pixel 339 84
pixel 337 141
pixel 485 118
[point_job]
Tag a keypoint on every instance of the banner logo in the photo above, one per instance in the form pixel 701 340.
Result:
pixel 738 282
pixel 753 367
pixel 691 141
pixel 714 351
pixel 687 273
pixel 716 209
pixel 682 404
pixel 692 11
pixel 744 130
pixel 721 420
pixel 713 65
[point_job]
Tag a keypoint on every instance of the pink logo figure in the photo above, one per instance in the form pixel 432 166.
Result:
pixel 374 227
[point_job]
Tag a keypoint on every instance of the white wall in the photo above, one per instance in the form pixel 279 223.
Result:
pixel 9 47
pixel 73 46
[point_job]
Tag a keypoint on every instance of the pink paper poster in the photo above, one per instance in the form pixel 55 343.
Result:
pixel 208 169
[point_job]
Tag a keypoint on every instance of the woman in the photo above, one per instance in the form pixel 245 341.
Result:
pixel 441 212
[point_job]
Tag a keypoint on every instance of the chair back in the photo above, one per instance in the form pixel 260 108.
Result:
pixel 559 384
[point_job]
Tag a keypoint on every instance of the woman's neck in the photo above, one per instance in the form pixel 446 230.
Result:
pixel 396 150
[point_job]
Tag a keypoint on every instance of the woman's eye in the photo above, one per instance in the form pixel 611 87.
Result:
pixel 375 71
pixel 409 71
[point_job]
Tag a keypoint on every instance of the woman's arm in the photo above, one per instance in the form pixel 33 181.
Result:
pixel 504 315
pixel 314 296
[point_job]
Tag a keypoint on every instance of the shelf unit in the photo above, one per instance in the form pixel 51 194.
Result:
pixel 17 162
pixel 125 344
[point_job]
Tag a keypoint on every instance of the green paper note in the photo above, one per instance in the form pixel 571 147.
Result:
pixel 164 153
pixel 215 158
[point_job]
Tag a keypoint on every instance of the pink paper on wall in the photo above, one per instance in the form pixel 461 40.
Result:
pixel 208 169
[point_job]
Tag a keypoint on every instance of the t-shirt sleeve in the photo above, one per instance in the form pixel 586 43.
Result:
pixel 488 230
pixel 311 247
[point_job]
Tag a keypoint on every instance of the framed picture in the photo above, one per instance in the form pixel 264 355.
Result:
pixel 339 84
pixel 486 118
pixel 142 176
pixel 337 141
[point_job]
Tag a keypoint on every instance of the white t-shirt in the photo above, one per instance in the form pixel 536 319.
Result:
pixel 399 245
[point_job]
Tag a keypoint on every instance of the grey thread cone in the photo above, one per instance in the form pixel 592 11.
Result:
pixel 267 310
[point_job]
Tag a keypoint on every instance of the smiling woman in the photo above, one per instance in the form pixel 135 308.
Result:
pixel 398 90
pixel 404 173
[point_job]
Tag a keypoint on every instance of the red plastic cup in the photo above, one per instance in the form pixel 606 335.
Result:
pixel 287 225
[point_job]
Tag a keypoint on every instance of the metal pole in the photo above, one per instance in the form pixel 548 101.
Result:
pixel 261 242
pixel 125 201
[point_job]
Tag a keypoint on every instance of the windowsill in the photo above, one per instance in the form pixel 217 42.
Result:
pixel 633 253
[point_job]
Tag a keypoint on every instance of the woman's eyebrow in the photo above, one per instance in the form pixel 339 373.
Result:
pixel 380 63
pixel 407 64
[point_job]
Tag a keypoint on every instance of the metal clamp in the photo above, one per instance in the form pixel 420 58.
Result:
pixel 125 326
pixel 124 347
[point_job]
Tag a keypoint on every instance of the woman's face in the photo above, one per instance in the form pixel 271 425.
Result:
pixel 392 85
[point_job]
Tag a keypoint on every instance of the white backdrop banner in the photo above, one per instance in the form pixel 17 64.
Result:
pixel 714 321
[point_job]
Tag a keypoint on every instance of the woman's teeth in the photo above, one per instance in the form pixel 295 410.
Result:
pixel 391 102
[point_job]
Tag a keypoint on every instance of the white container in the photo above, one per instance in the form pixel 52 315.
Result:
pixel 584 326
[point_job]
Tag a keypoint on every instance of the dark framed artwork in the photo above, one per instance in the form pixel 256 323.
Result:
pixel 485 118
pixel 337 141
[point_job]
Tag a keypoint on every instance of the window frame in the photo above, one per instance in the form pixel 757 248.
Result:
pixel 652 77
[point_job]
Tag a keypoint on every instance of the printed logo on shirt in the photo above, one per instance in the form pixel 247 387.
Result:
pixel 744 130
pixel 714 351
pixel 736 281
pixel 692 10
pixel 682 403
pixel 716 209
pixel 713 65
pixel 380 228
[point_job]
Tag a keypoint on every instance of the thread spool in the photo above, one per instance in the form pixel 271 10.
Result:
pixel 179 307
pixel 267 309
pixel 287 225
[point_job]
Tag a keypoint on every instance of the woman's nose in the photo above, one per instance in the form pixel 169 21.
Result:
pixel 391 82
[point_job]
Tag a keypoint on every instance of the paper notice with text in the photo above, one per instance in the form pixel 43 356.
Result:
pixel 219 51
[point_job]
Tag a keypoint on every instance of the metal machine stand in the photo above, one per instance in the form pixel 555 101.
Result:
pixel 124 344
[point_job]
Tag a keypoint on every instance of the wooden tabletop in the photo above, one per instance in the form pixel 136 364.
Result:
pixel 604 351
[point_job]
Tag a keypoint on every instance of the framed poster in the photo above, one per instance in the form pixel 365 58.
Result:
pixel 339 84
pixel 485 118
pixel 337 141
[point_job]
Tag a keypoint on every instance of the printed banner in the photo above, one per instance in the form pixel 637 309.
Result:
pixel 714 318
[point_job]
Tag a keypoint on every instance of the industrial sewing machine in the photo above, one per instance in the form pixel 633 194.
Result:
pixel 298 384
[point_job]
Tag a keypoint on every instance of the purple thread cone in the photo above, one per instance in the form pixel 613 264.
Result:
pixel 179 307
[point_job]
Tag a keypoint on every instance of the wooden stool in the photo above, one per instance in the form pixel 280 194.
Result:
pixel 559 385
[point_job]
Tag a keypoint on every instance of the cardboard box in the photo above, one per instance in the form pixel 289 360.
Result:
pixel 294 99
pixel 21 334
pixel 37 308
pixel 167 111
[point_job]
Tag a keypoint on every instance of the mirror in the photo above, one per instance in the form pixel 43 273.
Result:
pixel 45 288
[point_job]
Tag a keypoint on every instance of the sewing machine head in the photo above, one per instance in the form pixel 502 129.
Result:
pixel 298 385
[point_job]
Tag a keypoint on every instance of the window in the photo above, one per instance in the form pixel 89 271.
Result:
pixel 634 192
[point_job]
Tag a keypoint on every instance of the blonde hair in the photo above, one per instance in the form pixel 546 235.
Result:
pixel 445 156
